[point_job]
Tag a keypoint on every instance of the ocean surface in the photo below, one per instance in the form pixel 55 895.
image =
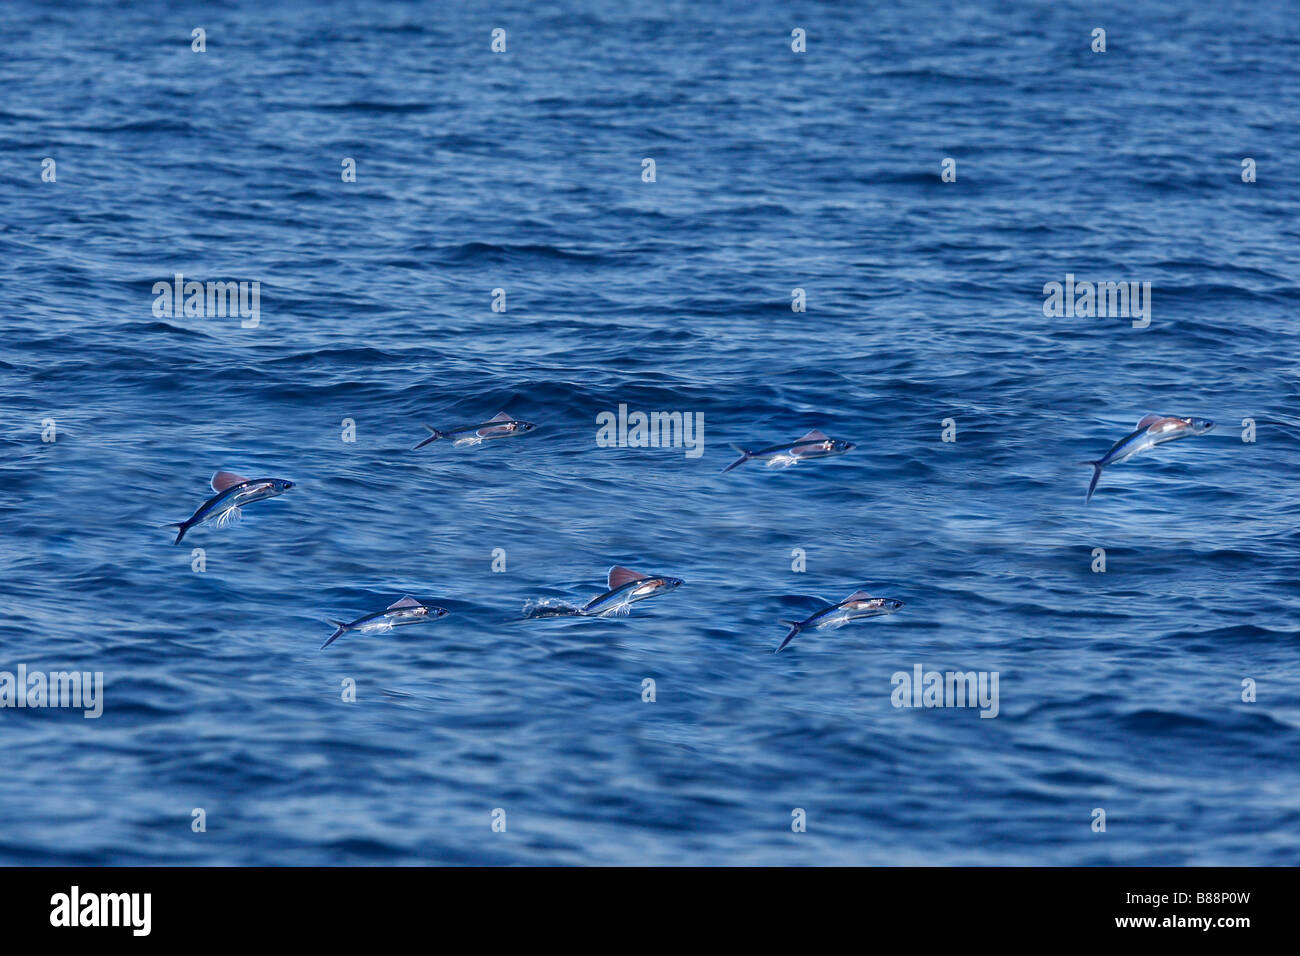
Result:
pixel 774 171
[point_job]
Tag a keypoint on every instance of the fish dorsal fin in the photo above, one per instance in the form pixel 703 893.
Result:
pixel 815 435
pixel 858 596
pixel 226 479
pixel 407 601
pixel 1146 421
pixel 619 576
pixel 501 417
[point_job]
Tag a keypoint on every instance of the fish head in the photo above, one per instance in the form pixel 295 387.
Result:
pixel 522 427
pixel 280 485
pixel 417 612
pixel 1199 426
pixel 842 446
pixel 658 584
pixel 890 605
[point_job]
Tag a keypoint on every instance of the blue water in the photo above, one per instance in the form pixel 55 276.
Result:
pixel 522 171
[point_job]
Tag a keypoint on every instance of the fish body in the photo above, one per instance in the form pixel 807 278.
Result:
pixel 501 426
pixel 626 587
pixel 815 444
pixel 1151 430
pixel 398 614
pixel 858 606
pixel 232 493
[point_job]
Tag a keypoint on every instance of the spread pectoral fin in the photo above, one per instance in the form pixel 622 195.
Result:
pixel 228 517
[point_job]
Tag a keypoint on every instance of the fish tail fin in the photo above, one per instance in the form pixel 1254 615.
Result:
pixel 337 634
pixel 744 457
pixel 795 628
pixel 434 435
pixel 181 526
pixel 1096 476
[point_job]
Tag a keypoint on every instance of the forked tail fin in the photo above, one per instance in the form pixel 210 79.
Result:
pixel 434 436
pixel 795 628
pixel 744 457
pixel 342 628
pixel 1096 476
pixel 182 527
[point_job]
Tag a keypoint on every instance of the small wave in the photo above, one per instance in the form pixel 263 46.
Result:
pixel 371 106
pixel 490 252
pixel 550 607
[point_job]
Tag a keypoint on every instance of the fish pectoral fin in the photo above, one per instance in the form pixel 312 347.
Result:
pixel 228 517
pixel 1146 421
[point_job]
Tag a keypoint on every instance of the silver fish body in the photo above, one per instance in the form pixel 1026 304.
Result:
pixel 502 426
pixel 403 612
pixel 1152 430
pixel 233 493
pixel 626 588
pixel 815 444
pixel 856 607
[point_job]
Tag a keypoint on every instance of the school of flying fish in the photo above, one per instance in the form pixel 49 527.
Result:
pixel 625 587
